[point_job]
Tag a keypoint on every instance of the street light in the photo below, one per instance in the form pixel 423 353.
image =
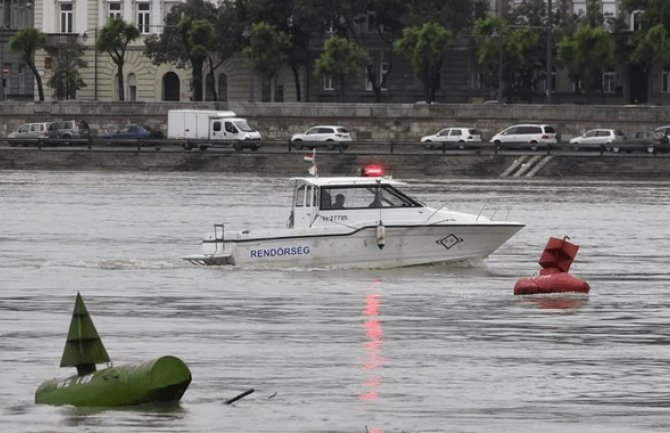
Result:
pixel 84 37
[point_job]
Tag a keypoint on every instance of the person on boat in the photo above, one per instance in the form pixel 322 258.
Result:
pixel 339 201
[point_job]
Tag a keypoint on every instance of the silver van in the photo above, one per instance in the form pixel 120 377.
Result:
pixel 32 133
pixel 524 136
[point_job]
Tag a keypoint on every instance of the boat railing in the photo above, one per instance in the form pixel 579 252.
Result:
pixel 495 209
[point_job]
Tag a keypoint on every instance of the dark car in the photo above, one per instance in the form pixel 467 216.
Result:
pixel 133 132
pixel 661 142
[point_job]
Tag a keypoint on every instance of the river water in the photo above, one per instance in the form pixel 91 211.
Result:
pixel 423 349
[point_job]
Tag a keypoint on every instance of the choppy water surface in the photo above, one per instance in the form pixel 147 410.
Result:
pixel 424 349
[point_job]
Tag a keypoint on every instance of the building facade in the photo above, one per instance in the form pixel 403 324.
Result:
pixel 78 22
pixel 17 78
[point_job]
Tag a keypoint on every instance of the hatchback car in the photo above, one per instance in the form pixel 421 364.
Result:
pixel 32 133
pixel 524 136
pixel 328 136
pixel 601 139
pixel 457 137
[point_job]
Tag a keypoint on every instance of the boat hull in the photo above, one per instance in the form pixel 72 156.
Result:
pixel 161 380
pixel 403 245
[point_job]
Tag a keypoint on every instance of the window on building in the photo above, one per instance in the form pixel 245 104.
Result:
pixel 383 70
pixel 132 87
pixel 609 82
pixel 114 9
pixel 66 17
pixel 609 8
pixel 665 81
pixel 577 85
pixel 636 20
pixel 223 87
pixel 371 23
pixel 143 17
pixel 23 88
pixel 328 83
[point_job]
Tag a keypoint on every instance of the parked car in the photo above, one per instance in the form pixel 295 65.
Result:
pixel 32 133
pixel 457 137
pixel 72 129
pixel 599 139
pixel 661 142
pixel 328 136
pixel 533 136
pixel 133 132
pixel 640 141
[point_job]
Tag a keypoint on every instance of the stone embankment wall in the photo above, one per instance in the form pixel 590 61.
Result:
pixel 373 123
pixel 368 122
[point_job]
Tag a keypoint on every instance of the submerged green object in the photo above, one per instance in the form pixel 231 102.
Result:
pixel 160 380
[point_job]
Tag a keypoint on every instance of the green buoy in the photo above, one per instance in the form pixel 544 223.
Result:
pixel 160 380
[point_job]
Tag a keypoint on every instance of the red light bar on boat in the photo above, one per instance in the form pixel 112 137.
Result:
pixel 373 170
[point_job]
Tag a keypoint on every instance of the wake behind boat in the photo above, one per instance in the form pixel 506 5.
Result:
pixel 358 222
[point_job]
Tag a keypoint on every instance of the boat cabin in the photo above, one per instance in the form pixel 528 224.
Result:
pixel 342 196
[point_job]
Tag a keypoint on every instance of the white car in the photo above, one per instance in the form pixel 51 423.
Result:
pixel 599 139
pixel 533 136
pixel 452 136
pixel 328 136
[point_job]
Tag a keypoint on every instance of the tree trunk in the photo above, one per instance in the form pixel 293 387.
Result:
pixel 296 81
pixel 38 79
pixel 197 78
pixel 120 75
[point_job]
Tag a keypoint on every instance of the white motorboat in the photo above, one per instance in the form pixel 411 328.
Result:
pixel 358 222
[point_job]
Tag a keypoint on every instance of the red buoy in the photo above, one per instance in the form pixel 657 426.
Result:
pixel 556 260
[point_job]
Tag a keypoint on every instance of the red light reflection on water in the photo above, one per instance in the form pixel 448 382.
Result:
pixel 373 341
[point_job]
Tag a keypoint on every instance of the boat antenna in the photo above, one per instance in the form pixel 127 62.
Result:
pixel 313 170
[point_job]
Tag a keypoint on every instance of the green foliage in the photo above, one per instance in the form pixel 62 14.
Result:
pixel 586 54
pixel 268 49
pixel 189 38
pixel 24 43
pixel 113 39
pixel 66 79
pixel 340 59
pixel 425 46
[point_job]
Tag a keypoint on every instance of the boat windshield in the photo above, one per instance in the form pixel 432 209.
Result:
pixel 362 197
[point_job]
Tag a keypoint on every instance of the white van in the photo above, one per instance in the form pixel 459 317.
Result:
pixel 205 128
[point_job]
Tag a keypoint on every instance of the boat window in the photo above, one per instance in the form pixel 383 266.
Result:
pixel 363 197
pixel 300 196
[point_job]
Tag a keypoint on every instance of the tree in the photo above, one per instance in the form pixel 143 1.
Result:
pixel 24 44
pixel 114 38
pixel 508 55
pixel 425 47
pixel 66 79
pixel 339 60
pixel 267 50
pixel 577 54
pixel 188 39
